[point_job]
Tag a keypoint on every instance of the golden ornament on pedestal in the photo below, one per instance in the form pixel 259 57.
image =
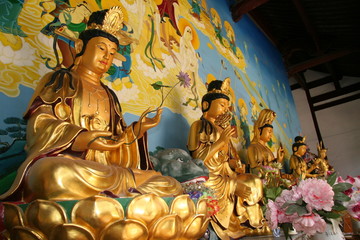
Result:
pixel 147 216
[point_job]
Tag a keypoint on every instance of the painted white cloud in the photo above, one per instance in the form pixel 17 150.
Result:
pixel 23 57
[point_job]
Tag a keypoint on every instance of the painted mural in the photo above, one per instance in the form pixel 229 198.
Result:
pixel 172 50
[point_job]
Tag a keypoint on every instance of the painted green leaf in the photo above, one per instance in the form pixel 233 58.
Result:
pixel 157 85
pixel 12 120
pixel 98 2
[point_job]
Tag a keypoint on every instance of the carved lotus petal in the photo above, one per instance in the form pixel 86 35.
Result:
pixel 184 207
pixel 201 206
pixel 44 215
pixel 196 228
pixel 128 229
pixel 147 208
pixel 96 212
pixel 13 216
pixel 69 231
pixel 167 227
pixel 26 233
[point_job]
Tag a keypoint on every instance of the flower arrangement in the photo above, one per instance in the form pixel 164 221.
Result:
pixel 308 206
pixel 272 180
pixel 353 206
pixel 197 191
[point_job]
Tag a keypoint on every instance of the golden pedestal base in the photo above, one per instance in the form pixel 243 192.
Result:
pixel 143 217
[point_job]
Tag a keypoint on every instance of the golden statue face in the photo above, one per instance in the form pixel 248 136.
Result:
pixel 218 107
pixel 322 154
pixel 302 150
pixel 99 55
pixel 266 134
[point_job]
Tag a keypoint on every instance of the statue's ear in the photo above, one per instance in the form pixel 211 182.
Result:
pixel 205 105
pixel 78 45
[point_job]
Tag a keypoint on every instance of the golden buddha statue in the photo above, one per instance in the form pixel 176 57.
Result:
pixel 78 144
pixel 323 165
pixel 210 140
pixel 259 154
pixel 298 165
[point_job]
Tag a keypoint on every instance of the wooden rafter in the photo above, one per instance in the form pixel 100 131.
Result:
pixel 339 92
pixel 317 61
pixel 245 6
pixel 316 83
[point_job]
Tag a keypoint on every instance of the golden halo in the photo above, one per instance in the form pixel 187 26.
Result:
pixel 228 26
pixel 182 23
pixel 215 15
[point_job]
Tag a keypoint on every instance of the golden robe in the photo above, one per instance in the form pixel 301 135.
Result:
pixel 298 167
pixel 259 155
pixel 53 171
pixel 234 210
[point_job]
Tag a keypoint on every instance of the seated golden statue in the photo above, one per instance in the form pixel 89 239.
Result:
pixel 78 144
pixel 323 165
pixel 298 165
pixel 259 154
pixel 210 140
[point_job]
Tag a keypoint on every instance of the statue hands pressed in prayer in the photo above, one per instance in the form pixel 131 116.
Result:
pixel 78 144
pixel 259 154
pixel 298 165
pixel 210 140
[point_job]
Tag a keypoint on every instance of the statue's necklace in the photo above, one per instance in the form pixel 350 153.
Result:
pixel 96 90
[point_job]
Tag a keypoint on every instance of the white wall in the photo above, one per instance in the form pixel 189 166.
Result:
pixel 339 127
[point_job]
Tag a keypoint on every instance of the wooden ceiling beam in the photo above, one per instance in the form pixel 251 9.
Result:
pixel 316 83
pixel 317 61
pixel 337 102
pixel 302 81
pixel 307 23
pixel 264 27
pixel 243 7
pixel 337 93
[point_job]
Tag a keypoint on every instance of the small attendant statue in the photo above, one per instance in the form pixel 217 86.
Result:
pixel 259 154
pixel 210 140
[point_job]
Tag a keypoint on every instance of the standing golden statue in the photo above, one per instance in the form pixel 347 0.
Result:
pixel 259 154
pixel 298 165
pixel 78 144
pixel 210 140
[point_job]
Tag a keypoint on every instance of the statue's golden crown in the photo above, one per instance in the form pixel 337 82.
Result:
pixel 225 88
pixel 113 22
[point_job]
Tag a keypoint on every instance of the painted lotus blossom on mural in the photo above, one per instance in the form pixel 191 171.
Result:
pixel 308 206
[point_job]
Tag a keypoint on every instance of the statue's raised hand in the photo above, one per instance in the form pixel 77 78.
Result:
pixel 97 140
pixel 145 123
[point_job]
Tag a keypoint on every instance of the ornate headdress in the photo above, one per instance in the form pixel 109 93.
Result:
pixel 265 119
pixel 112 24
pixel 299 141
pixel 224 89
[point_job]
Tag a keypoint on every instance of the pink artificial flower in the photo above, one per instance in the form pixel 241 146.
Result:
pixel 271 214
pixel 354 210
pixel 310 224
pixel 340 179
pixel 317 193
pixel 287 196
